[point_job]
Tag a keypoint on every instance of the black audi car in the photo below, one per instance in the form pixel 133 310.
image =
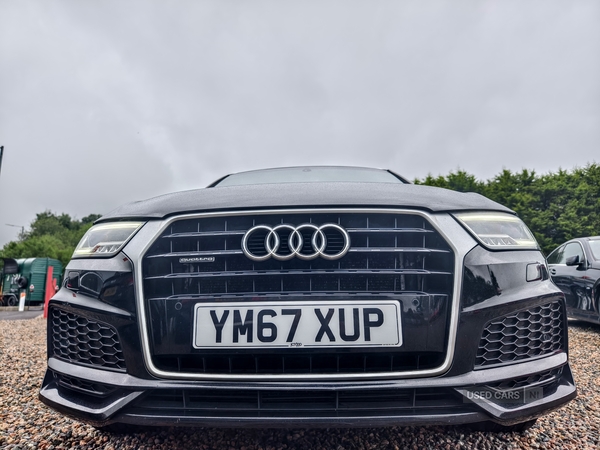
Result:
pixel 308 296
pixel 575 268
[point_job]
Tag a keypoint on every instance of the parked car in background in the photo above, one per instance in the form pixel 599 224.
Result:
pixel 308 296
pixel 575 269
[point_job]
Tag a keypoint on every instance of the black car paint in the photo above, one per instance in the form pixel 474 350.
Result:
pixel 298 195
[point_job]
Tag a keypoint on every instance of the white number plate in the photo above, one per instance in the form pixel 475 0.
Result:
pixel 297 324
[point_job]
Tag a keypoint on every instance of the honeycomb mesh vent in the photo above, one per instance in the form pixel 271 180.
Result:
pixel 534 332
pixel 79 340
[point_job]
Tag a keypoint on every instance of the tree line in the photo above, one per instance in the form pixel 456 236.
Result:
pixel 50 235
pixel 556 207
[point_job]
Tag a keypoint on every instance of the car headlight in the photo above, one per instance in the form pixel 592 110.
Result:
pixel 498 231
pixel 106 239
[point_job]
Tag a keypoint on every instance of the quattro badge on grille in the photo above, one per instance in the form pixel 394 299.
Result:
pixel 197 259
pixel 307 241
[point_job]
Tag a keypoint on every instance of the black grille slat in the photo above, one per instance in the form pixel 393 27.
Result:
pixel 526 334
pixel 254 247
pixel 202 234
pixel 389 230
pixel 296 272
pixel 85 341
pixel 197 253
pixel 396 250
pixel 206 296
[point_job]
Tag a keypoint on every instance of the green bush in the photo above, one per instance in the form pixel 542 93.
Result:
pixel 556 206
pixel 50 236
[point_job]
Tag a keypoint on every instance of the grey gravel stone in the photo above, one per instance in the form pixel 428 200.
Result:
pixel 26 423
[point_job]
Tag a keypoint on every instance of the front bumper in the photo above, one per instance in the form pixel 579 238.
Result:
pixel 440 401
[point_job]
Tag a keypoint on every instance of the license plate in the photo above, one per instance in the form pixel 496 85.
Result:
pixel 297 324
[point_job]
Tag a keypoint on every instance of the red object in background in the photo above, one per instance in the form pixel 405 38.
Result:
pixel 49 292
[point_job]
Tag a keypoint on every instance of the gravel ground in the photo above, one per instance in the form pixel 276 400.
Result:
pixel 26 423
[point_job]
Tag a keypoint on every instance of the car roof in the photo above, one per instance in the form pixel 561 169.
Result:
pixel 296 169
pixel 585 238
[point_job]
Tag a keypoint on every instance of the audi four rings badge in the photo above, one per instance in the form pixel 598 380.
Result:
pixel 272 242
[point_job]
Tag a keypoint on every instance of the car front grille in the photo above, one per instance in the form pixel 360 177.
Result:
pixel 84 341
pixel 535 332
pixel 390 253
pixel 392 256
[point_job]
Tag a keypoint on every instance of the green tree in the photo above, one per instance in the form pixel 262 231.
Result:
pixel 457 181
pixel 50 235
pixel 556 206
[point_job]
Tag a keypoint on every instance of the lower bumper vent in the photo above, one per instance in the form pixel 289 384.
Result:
pixel 251 403
pixel 80 340
pixel 527 334
pixel 87 387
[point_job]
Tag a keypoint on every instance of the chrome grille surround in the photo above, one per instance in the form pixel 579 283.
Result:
pixel 454 236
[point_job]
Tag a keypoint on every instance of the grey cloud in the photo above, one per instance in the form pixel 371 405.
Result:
pixel 116 101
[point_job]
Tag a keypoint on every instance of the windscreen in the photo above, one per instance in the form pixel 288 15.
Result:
pixel 595 246
pixel 310 175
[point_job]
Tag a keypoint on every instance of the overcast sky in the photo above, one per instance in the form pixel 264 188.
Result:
pixel 106 102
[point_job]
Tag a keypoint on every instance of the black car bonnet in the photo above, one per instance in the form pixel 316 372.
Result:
pixel 304 195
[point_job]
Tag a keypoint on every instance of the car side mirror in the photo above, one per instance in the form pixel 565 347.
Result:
pixel 573 261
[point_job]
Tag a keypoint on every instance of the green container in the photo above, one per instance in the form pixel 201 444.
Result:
pixel 29 276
